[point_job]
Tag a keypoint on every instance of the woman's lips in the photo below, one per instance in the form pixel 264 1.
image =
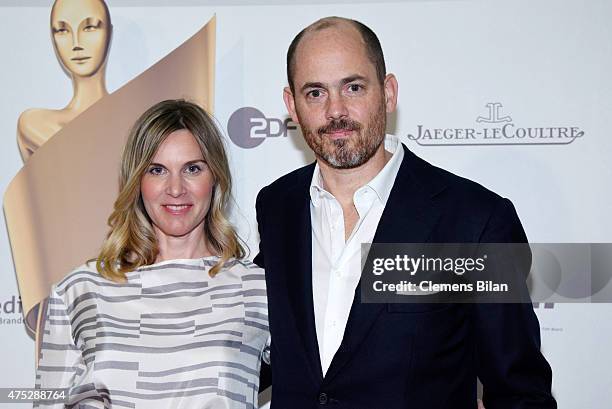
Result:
pixel 177 209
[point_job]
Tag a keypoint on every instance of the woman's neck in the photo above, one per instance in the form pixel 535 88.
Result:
pixel 192 245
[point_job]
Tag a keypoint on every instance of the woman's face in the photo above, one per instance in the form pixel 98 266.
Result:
pixel 81 35
pixel 177 186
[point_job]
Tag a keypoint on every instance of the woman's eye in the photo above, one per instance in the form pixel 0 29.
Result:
pixel 60 31
pixel 194 169
pixel 156 170
pixel 89 28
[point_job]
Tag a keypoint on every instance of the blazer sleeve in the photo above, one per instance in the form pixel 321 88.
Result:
pixel 61 363
pixel 265 373
pixel 259 209
pixel 513 371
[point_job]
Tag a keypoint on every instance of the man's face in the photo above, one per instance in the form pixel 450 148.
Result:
pixel 337 99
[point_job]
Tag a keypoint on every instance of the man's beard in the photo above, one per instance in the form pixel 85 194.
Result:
pixel 351 152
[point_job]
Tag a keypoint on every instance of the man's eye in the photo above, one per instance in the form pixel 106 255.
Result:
pixel 315 93
pixel 355 87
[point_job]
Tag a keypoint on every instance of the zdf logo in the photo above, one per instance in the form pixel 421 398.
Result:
pixel 248 127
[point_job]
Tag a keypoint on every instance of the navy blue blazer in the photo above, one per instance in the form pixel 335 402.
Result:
pixel 399 356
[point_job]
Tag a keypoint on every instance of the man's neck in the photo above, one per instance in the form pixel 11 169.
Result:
pixel 343 183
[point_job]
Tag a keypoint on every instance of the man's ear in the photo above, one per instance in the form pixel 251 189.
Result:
pixel 390 87
pixel 290 104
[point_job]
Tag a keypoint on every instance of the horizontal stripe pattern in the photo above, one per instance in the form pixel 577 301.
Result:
pixel 171 336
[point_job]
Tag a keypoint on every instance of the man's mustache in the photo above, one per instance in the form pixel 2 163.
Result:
pixel 343 124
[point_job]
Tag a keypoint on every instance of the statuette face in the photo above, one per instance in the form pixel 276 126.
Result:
pixel 81 32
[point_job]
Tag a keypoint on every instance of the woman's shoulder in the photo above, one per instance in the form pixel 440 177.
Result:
pixel 245 267
pixel 246 272
pixel 85 270
pixel 84 282
pixel 248 264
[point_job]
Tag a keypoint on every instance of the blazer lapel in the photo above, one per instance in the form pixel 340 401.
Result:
pixel 409 217
pixel 299 277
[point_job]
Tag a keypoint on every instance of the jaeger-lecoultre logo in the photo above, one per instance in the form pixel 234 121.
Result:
pixel 495 128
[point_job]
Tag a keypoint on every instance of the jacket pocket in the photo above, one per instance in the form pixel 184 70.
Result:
pixel 417 308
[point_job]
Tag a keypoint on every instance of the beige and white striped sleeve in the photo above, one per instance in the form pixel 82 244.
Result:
pixel 61 363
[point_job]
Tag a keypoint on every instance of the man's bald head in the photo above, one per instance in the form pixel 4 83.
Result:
pixel 370 40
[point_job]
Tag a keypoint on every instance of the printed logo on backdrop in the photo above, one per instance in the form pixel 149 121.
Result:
pixel 496 127
pixel 11 310
pixel 248 127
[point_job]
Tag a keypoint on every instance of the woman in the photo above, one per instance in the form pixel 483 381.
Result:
pixel 81 32
pixel 169 316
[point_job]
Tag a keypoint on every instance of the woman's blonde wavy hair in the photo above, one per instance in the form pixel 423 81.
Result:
pixel 131 241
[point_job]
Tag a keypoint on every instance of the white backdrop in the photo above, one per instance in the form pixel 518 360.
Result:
pixel 547 63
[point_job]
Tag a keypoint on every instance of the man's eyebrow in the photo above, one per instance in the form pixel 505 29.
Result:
pixel 343 81
pixel 309 85
pixel 352 78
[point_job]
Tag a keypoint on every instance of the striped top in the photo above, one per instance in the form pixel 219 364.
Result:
pixel 170 337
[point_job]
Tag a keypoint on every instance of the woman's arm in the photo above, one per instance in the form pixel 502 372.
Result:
pixel 61 363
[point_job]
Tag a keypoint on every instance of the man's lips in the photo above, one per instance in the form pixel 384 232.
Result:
pixel 177 209
pixel 339 134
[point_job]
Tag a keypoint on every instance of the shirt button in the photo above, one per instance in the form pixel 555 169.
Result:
pixel 323 399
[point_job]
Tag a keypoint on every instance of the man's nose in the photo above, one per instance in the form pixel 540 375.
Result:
pixel 336 106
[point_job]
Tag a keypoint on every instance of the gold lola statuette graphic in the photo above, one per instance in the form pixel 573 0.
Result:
pixel 56 216
pixel 81 31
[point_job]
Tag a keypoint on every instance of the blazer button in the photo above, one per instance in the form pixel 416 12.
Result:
pixel 323 399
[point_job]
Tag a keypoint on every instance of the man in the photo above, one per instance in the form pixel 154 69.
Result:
pixel 328 349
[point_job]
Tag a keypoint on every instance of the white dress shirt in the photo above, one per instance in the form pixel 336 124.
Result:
pixel 336 263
